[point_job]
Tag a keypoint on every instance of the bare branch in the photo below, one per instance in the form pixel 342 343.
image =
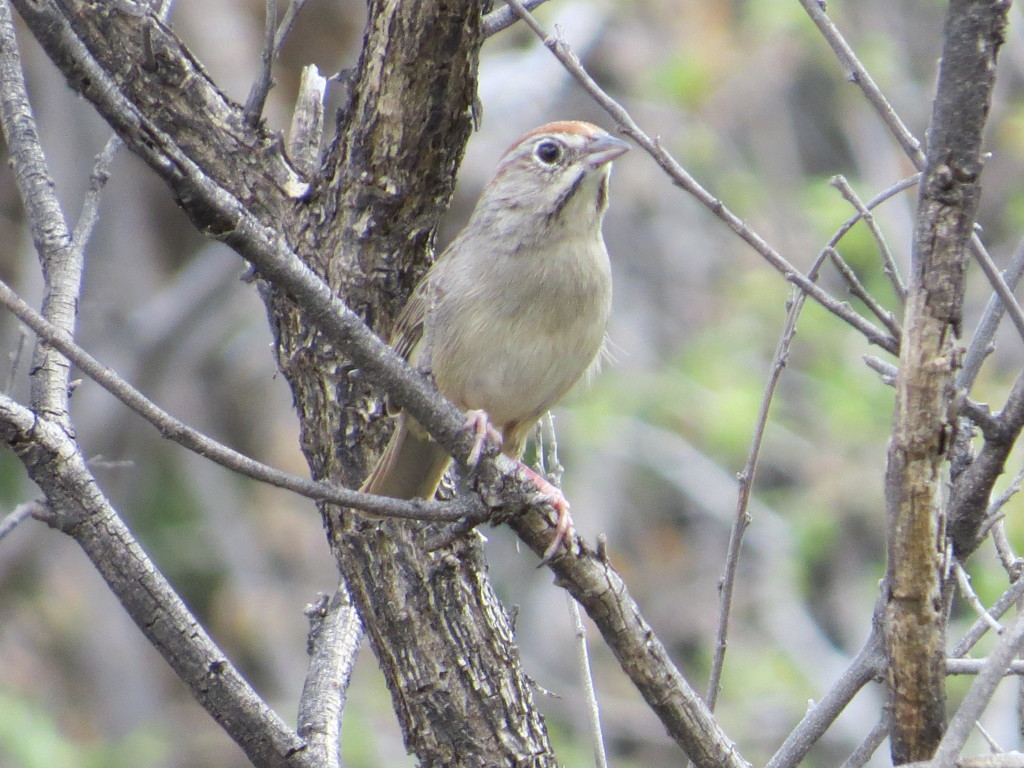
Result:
pixel 977 666
pixel 889 267
pixel 977 698
pixel 307 126
pixel 982 342
pixel 334 639
pixel 504 17
pixel 61 263
pixel 173 429
pixel 77 507
pixel 862 669
pixel 16 516
pixel 924 414
pixel 857 289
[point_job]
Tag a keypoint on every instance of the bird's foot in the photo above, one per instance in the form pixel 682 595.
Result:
pixel 482 429
pixel 563 520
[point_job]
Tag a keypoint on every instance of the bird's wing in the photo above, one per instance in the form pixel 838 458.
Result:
pixel 410 335
pixel 411 323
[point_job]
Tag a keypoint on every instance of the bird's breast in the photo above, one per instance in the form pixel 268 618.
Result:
pixel 517 354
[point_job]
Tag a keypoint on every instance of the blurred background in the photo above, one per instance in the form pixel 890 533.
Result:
pixel 750 99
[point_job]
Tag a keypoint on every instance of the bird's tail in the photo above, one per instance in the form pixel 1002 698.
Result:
pixel 411 466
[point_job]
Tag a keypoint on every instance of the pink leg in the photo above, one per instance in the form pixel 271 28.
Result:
pixel 482 429
pixel 563 521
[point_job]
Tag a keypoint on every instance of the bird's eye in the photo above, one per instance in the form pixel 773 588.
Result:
pixel 548 152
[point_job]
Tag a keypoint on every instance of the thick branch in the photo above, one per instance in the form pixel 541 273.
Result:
pixel 80 509
pixel 600 590
pixel 61 262
pixel 924 419
pixel 972 488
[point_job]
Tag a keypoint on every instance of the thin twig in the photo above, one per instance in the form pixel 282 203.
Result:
pixel 746 483
pixel 15 360
pixel 16 516
pixel 1004 550
pixel 993 745
pixel 265 76
pixel 681 178
pixel 504 17
pixel 982 342
pixel 90 212
pixel 900 186
pixel 856 287
pixel 549 464
pixel 981 626
pixel 963 580
pixel 291 13
pixel 551 467
pixel 977 698
pixel 858 74
pixel 889 267
pixel 995 278
pixel 173 429
pixel 587 678
pixel 864 751
pixel 274 35
pixel 1013 564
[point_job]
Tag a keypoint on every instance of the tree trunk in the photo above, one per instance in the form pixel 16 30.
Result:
pixel 925 417
pixel 442 638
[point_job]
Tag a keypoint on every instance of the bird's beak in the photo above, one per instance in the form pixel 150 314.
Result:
pixel 604 148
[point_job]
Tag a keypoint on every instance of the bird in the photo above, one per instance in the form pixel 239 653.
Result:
pixel 514 312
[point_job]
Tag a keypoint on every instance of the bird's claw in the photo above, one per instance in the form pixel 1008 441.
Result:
pixel 482 429
pixel 563 520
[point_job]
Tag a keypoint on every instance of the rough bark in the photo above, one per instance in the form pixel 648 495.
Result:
pixel 443 640
pixel 925 418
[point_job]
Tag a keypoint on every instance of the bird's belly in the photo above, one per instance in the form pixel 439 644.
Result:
pixel 518 384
